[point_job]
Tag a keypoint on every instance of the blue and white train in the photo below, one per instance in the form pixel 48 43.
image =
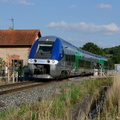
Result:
pixel 52 58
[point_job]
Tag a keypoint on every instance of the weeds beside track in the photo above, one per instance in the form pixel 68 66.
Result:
pixel 59 105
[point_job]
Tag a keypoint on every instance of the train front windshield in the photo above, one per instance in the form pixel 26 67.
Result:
pixel 44 50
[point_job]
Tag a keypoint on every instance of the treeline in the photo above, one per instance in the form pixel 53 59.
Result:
pixel 113 53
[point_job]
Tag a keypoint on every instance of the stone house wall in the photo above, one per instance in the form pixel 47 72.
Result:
pixel 21 53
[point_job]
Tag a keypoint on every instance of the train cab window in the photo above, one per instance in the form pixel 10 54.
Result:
pixel 44 50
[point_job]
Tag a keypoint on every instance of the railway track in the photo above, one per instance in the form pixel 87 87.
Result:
pixel 16 87
pixel 14 84
pixel 29 92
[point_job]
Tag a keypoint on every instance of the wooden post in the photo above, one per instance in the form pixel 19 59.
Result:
pixel 8 65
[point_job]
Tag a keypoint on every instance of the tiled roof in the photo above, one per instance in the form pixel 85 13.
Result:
pixel 18 37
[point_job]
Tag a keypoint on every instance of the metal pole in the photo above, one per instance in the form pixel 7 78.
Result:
pixel 12 22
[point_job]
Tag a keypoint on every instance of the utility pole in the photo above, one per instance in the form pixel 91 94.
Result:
pixel 12 20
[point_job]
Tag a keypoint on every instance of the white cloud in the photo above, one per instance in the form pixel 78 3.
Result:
pixel 106 6
pixel 72 6
pixel 24 2
pixel 83 27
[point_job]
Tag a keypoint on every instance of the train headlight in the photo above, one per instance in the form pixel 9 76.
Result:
pixel 30 60
pixel 53 61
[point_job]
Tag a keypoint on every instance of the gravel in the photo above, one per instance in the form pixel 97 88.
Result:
pixel 30 96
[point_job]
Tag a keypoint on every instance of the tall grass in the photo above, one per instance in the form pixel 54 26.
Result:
pixel 58 106
pixel 111 107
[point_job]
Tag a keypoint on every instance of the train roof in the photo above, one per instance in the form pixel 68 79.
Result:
pixel 48 38
pixel 53 38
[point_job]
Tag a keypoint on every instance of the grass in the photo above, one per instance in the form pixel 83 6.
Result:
pixel 111 107
pixel 58 106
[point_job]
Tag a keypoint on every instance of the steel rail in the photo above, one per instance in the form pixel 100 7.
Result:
pixel 28 87
pixel 15 84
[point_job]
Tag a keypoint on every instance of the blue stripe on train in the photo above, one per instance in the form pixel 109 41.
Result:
pixel 33 49
pixel 57 52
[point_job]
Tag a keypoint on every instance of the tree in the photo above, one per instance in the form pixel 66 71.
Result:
pixel 2 66
pixel 113 55
pixel 116 59
pixel 112 51
pixel 93 48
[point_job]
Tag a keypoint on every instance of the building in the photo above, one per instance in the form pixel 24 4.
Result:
pixel 16 44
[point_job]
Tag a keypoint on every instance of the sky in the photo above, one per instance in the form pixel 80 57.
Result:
pixel 76 21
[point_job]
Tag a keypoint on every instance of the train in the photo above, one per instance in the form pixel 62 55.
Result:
pixel 52 57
